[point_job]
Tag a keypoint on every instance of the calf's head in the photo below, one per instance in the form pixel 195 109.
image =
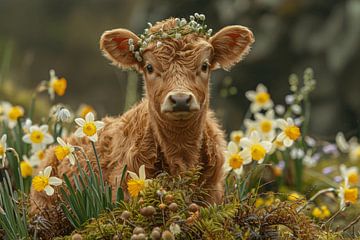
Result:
pixel 176 62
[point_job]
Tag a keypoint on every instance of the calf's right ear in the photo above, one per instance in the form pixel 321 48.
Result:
pixel 115 46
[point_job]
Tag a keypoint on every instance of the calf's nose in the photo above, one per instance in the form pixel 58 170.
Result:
pixel 180 102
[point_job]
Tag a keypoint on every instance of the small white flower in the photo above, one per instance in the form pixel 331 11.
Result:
pixel 37 157
pixel 43 181
pixel 280 109
pixel 27 125
pixel 62 114
pixel 341 142
pixel 236 136
pixel 257 147
pixel 12 114
pixel 3 146
pixel 290 132
pixel 260 99
pixel 290 99
pixel 350 175
pixel 266 124
pixel 88 127
pixel 175 229
pixel 297 153
pixel 38 137
pixel 296 109
pixel 65 151
pixel 235 159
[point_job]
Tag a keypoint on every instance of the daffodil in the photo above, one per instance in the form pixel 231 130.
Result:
pixel 347 194
pixel 235 159
pixel 85 109
pixel 350 175
pixel 43 181
pixel 260 99
pixel 27 125
pixel 257 147
pixel 236 136
pixel 3 146
pixel 56 85
pixel 354 150
pixel 64 151
pixel 12 114
pixel 266 124
pixel 321 213
pixel 37 156
pixel 137 183
pixel 88 127
pixel 290 132
pixel 294 196
pixel 26 167
pixel 38 137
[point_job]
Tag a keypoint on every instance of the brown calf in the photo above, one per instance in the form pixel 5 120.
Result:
pixel 172 128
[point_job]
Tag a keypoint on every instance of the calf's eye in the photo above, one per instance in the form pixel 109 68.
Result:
pixel 149 68
pixel 204 67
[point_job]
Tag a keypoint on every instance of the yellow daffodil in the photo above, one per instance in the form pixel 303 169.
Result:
pixel 85 109
pixel 257 147
pixel 38 137
pixel 260 99
pixel 290 132
pixel 64 151
pixel 294 197
pixel 266 124
pixel 43 181
pixel 236 136
pixel 3 146
pixel 88 127
pixel 235 159
pixel 26 168
pixel 347 194
pixel 350 175
pixel 137 183
pixel 12 114
pixel 56 85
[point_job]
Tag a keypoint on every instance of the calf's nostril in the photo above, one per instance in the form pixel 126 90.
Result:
pixel 180 102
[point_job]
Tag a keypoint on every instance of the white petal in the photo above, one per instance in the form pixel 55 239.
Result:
pixel 142 174
pixel 261 161
pixel 99 125
pixel 245 142
pixel 80 121
pixel 232 147
pixel 288 142
pixel 255 136
pixel 72 159
pixel 250 95
pixel 281 137
pixel 239 171
pixel 254 107
pixel 55 181
pixel 133 175
pixel 89 117
pixel 3 139
pixel 49 190
pixel 270 114
pixel 44 128
pixel 47 171
pixel 94 138
pixel 79 133
pixel 267 145
pixel 290 121
pixel 48 139
pixel 34 128
pixel 60 141
pixel 281 123
pixel 26 138
pixel 261 88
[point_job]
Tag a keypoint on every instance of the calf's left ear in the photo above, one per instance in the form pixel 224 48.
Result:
pixel 231 44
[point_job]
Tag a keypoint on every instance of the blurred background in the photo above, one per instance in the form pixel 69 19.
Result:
pixel 36 36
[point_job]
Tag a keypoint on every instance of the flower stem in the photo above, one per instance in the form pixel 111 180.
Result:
pixel 99 167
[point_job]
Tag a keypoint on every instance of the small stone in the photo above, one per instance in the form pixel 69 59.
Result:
pixel 141 236
pixel 167 235
pixel 169 198
pixel 76 236
pixel 162 206
pixel 125 215
pixel 147 211
pixel 138 230
pixel 155 235
pixel 193 207
pixel 173 207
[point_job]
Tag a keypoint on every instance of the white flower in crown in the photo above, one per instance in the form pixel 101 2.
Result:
pixel 266 124
pixel 257 147
pixel 88 127
pixel 38 137
pixel 236 159
pixel 260 99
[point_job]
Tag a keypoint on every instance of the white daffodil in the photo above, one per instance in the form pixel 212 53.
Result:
pixel 236 136
pixel 64 151
pixel 88 127
pixel 12 114
pixel 137 183
pixel 27 166
pixel 27 125
pixel 3 146
pixel 266 124
pixel 260 99
pixel 234 159
pixel 347 194
pixel 37 157
pixel 38 137
pixel 43 181
pixel 350 175
pixel 257 147
pixel 290 132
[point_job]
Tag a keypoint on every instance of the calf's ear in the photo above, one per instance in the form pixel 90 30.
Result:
pixel 115 46
pixel 231 44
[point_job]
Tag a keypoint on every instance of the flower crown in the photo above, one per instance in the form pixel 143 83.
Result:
pixel 196 24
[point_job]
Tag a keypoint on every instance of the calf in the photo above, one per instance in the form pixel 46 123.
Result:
pixel 172 128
